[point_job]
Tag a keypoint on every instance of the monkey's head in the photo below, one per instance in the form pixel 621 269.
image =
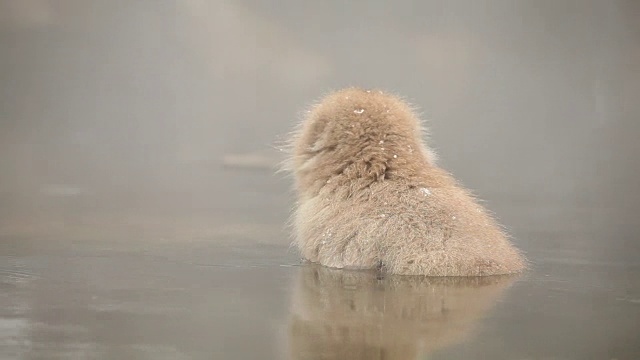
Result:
pixel 358 133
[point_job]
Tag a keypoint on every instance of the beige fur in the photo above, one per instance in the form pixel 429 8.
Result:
pixel 370 195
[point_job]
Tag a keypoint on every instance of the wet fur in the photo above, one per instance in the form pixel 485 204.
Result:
pixel 370 195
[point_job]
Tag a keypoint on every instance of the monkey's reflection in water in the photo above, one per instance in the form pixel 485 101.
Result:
pixel 339 314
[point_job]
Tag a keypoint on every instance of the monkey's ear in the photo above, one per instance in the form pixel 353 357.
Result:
pixel 314 134
pixel 320 142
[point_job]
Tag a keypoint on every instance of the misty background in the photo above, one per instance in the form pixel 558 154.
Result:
pixel 175 107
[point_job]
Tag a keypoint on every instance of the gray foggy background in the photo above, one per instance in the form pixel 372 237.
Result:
pixel 140 215
pixel 134 104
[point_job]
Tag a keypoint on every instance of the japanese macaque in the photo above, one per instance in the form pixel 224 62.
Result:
pixel 370 195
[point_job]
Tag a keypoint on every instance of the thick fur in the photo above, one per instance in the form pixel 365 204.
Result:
pixel 370 195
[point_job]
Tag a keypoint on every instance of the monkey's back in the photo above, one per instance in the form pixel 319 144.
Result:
pixel 370 195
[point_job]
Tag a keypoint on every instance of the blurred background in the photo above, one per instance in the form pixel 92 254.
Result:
pixel 121 103
pixel 159 119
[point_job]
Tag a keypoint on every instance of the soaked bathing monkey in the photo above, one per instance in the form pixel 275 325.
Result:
pixel 370 195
